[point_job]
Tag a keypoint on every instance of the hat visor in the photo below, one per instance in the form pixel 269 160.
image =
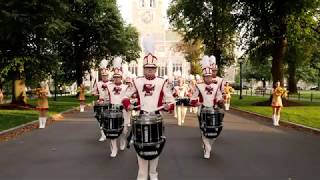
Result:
pixel 149 66
pixel 117 75
pixel 207 75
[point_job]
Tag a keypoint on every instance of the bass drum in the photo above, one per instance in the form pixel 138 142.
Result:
pixel 112 123
pixel 211 122
pixel 148 136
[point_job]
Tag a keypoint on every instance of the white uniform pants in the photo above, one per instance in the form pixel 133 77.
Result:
pixel 147 168
pixel 181 114
pixel 207 143
pixel 193 110
pixel 123 137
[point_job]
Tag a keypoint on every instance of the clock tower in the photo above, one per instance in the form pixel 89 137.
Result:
pixel 149 19
pixel 148 15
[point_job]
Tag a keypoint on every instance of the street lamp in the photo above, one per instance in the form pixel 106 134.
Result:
pixel 240 60
pixel 55 80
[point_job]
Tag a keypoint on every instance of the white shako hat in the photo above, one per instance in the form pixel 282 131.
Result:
pixel 149 60
pixel 213 64
pixel 191 77
pixel 104 70
pixel 117 67
pixel 128 77
pixel 206 66
pixel 197 77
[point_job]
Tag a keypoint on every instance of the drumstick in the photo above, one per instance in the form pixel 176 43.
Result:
pixel 161 107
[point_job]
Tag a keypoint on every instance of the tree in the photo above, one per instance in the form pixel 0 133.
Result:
pixel 212 21
pixel 192 49
pixel 265 24
pixel 97 31
pixel 259 72
pixel 131 48
pixel 26 30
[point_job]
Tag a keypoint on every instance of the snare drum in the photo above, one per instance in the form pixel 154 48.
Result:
pixel 183 101
pixel 148 135
pixel 211 122
pixel 112 123
pixel 98 108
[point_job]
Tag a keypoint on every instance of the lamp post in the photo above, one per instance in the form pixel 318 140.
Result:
pixel 55 80
pixel 240 62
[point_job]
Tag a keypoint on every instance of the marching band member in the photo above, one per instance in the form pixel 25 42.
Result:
pixel 207 94
pixel 220 81
pixel 82 97
pixel 133 98
pixel 43 105
pixel 227 90
pixel 198 79
pixel 99 89
pixel 152 92
pixel 192 88
pixel 1 96
pixel 181 92
pixel 277 93
pixel 116 92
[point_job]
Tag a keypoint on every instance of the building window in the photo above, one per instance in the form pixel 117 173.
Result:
pixel 141 3
pixel 133 69
pixel 177 67
pixel 162 71
pixel 152 3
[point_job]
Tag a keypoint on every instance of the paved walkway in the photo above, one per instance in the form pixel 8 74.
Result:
pixel 245 150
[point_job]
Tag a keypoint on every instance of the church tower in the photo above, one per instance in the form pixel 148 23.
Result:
pixel 148 15
pixel 149 19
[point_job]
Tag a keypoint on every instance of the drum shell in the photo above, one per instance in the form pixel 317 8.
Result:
pixel 99 108
pixel 183 101
pixel 147 129
pixel 148 135
pixel 112 123
pixel 211 122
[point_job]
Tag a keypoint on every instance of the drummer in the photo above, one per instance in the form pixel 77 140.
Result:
pixel 116 91
pixel 220 81
pixel 152 92
pixel 181 92
pixel 99 89
pixel 207 94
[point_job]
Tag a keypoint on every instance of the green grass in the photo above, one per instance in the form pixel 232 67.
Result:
pixel 12 118
pixel 308 114
pixel 304 94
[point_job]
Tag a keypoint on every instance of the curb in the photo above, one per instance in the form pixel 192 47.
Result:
pixel 33 124
pixel 285 123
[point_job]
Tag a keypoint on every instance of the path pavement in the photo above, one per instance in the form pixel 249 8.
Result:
pixel 246 150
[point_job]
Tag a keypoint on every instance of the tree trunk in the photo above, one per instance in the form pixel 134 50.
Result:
pixel 319 81
pixel 18 90
pixel 280 48
pixel 292 81
pixel 264 84
pixel 79 74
